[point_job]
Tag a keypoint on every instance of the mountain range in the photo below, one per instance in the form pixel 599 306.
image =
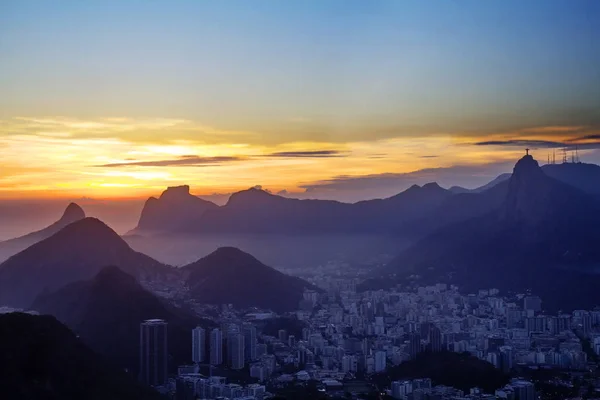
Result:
pixel 71 214
pixel 106 311
pixel 81 250
pixel 40 358
pixel 519 233
pixel 415 212
pixel 230 276
pixel 258 211
pixel 76 252
pixel 545 237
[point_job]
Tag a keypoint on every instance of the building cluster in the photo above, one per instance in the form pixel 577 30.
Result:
pixel 349 336
pixel 370 331
pixel 422 389
pixel 192 386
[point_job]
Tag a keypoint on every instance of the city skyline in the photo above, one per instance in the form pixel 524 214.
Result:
pixel 320 99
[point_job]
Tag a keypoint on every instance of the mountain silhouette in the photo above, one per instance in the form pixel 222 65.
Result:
pixel 175 208
pixel 106 312
pixel 258 211
pixel 231 276
pixel 71 214
pixel 585 177
pixel 76 252
pixel 497 180
pixel 543 237
pixel 40 358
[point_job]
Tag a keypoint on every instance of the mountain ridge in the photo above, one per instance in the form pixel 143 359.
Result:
pixel 106 312
pixel 76 252
pixel 545 230
pixel 72 213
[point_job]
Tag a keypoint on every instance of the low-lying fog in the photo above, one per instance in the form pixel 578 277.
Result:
pixel 279 251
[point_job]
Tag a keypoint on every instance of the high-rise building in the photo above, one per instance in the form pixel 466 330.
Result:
pixel 414 345
pixel 524 390
pixel 401 389
pixel 250 342
pixel 198 345
pixel 216 347
pixel 282 335
pixel 236 350
pixel 380 361
pixel 305 333
pixel 153 352
pixel 564 322
pixel 291 340
pixel 536 324
pixel 586 323
pixel 506 358
pixel 435 339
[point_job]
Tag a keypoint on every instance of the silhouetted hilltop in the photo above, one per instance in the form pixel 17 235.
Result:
pixel 106 313
pixel 544 237
pixel 173 210
pixel 71 214
pixel 230 276
pixel 585 177
pixel 74 253
pixel 460 370
pixel 42 359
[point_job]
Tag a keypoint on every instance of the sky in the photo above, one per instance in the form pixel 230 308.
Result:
pixel 337 99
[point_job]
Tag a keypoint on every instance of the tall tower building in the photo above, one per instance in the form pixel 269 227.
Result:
pixel 216 347
pixel 435 339
pixel 236 349
pixel 250 342
pixel 414 345
pixel 153 352
pixel 282 335
pixel 198 345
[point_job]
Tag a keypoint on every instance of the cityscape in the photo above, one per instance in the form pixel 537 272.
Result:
pixel 353 341
pixel 300 200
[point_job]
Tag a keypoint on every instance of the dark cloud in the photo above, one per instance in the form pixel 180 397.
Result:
pixel 181 161
pixel 430 156
pixel 193 160
pixel 354 188
pixel 303 154
pixel 587 137
pixel 522 143
pixel 547 144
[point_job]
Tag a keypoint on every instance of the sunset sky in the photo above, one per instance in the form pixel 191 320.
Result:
pixel 342 99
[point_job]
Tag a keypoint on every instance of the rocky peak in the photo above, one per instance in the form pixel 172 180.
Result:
pixel 72 213
pixel 530 191
pixel 176 192
pixel 251 197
